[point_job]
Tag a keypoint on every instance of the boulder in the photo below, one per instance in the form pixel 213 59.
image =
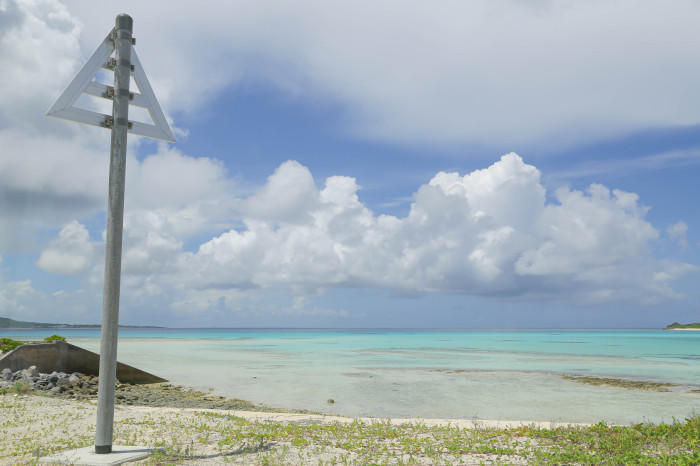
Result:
pixel 55 390
pixel 63 381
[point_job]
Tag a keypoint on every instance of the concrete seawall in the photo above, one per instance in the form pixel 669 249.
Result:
pixel 63 357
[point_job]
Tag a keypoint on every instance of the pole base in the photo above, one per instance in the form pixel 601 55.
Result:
pixel 87 456
pixel 102 449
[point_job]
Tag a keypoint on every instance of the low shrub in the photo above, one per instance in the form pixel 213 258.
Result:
pixel 8 344
pixel 55 338
pixel 21 387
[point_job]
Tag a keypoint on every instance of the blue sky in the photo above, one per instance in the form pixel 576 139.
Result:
pixel 345 168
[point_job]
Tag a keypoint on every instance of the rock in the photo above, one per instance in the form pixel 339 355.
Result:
pixel 55 390
pixel 63 382
pixel 6 374
pixel 74 379
pixel 29 375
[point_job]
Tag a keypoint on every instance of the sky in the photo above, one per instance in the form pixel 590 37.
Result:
pixel 485 164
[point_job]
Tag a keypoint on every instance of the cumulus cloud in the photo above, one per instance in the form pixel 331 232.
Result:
pixel 483 72
pixel 20 300
pixel 490 232
pixel 47 171
pixel 35 37
pixel 172 179
pixel 70 253
pixel 412 73
pixel 678 232
pixel 289 195
pixel 49 180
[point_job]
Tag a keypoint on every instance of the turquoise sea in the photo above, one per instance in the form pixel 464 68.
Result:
pixel 483 374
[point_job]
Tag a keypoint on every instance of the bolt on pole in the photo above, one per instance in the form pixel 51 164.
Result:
pixel 115 221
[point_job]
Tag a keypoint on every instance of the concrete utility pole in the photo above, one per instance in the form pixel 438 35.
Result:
pixel 125 63
pixel 115 222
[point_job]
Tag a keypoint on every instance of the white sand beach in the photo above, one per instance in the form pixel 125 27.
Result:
pixel 34 426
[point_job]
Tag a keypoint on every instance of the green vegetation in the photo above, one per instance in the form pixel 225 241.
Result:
pixel 10 323
pixel 21 387
pixel 55 338
pixel 192 436
pixel 383 443
pixel 677 325
pixel 8 344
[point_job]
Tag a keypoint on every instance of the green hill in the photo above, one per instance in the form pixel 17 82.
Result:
pixel 11 323
pixel 677 325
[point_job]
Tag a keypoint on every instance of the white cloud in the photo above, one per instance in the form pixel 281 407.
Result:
pixel 289 195
pixel 48 171
pixel 670 159
pixel 410 72
pixel 171 179
pixel 39 51
pixel 678 232
pixel 21 301
pixel 70 253
pixel 47 181
pixel 483 72
pixel 489 232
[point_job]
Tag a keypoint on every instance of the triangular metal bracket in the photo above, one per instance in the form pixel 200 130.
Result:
pixel 84 83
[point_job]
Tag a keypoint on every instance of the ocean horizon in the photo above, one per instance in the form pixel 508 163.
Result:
pixel 500 374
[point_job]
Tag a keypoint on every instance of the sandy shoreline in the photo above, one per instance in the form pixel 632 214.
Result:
pixel 302 418
pixel 34 426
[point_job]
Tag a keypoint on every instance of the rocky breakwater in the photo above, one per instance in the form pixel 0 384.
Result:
pixel 84 387
pixel 73 385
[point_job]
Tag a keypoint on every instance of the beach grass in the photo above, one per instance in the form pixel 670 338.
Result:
pixel 33 426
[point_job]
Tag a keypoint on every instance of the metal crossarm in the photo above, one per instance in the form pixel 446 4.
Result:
pixel 84 83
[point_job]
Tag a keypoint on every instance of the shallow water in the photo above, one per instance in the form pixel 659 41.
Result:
pixel 488 374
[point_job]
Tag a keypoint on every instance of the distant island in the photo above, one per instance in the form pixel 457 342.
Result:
pixel 10 323
pixel 677 326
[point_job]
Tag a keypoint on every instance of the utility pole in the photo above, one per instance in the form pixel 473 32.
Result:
pixel 115 222
pixel 126 65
